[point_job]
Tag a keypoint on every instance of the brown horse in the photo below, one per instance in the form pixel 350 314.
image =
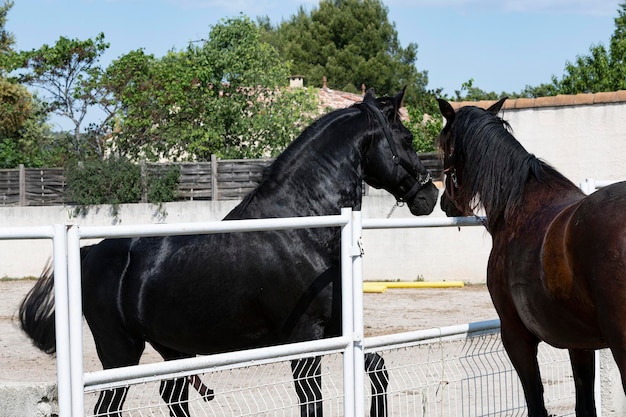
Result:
pixel 557 268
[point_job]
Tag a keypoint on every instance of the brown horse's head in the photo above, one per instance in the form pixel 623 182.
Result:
pixel 457 199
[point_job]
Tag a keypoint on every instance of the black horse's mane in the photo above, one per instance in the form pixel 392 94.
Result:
pixel 315 131
pixel 314 139
pixel 496 167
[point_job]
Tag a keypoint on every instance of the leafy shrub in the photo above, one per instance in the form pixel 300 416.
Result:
pixel 162 184
pixel 111 181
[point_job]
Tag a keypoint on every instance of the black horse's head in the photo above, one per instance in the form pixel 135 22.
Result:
pixel 390 160
pixel 457 198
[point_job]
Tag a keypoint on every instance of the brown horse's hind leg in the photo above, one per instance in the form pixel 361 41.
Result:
pixel 583 367
pixel 521 346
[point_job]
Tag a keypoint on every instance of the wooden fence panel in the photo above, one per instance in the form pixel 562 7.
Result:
pixel 44 187
pixel 236 178
pixel 233 180
pixel 432 163
pixel 194 182
pixel 9 187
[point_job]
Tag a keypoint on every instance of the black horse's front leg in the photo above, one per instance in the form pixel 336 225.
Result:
pixel 308 380
pixel 379 379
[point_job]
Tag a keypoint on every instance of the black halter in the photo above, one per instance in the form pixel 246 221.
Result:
pixel 422 178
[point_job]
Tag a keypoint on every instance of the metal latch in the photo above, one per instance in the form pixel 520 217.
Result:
pixel 358 249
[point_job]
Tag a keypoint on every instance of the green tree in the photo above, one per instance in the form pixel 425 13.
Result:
pixel 423 125
pixel 225 96
pixel 599 70
pixel 350 42
pixel 15 101
pixel 24 136
pixel 469 92
pixel 67 73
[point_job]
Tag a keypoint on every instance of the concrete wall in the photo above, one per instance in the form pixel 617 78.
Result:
pixel 390 254
pixel 580 141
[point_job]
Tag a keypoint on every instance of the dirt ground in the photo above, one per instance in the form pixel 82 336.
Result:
pixel 396 310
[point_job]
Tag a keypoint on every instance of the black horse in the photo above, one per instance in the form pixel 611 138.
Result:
pixel 203 294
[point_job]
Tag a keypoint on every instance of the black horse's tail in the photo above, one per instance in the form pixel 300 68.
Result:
pixel 36 312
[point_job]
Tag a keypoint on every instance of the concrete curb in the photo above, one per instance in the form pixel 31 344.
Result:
pixel 28 399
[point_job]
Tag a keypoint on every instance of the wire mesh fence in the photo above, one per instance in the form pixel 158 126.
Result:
pixel 470 376
pixel 460 375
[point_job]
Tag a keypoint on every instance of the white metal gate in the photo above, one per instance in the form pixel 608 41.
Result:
pixel 71 379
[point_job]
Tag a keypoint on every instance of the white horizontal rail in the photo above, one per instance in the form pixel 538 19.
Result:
pixel 589 185
pixel 215 362
pixel 410 222
pixel 417 336
pixel 33 232
pixel 250 225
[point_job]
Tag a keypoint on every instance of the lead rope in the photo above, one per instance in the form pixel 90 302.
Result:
pixel 393 208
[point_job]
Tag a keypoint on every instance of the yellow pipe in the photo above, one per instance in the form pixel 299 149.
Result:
pixel 374 286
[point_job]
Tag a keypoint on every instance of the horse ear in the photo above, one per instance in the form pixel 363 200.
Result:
pixel 369 96
pixel 446 110
pixel 495 108
pixel 398 100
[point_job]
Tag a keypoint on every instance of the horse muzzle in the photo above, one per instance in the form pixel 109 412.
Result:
pixel 422 201
pixel 449 207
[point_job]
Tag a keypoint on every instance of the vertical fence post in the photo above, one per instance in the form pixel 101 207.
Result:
pixel 144 180
pixel 61 317
pixel 597 383
pixel 588 186
pixel 357 316
pixel 214 191
pixel 75 320
pixel 347 310
pixel 22 185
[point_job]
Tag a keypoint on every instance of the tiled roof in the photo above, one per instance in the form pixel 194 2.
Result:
pixel 554 101
pixel 337 99
pixel 332 99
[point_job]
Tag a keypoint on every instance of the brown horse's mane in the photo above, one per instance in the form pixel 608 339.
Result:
pixel 496 167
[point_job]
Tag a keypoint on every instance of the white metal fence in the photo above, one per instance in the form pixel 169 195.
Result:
pixel 471 373
pixel 454 371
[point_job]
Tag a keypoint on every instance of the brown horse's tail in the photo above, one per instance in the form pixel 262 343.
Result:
pixel 36 312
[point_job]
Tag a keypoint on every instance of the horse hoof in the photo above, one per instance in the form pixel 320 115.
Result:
pixel 208 395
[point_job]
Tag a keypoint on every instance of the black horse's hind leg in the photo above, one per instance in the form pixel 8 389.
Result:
pixel 379 378
pixel 583 368
pixel 175 392
pixel 115 349
pixel 308 379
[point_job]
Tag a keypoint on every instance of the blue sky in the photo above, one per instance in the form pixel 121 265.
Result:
pixel 503 45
